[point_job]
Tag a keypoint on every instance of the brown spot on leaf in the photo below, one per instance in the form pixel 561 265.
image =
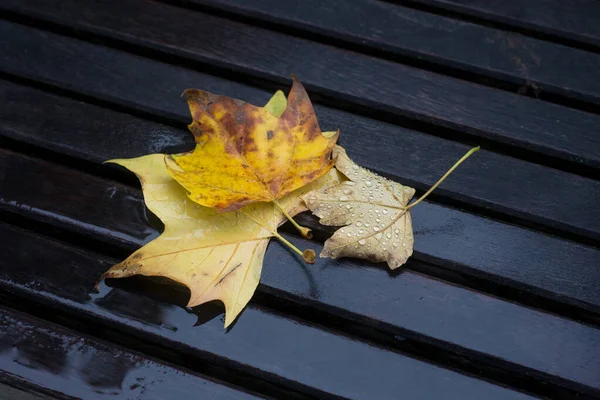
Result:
pixel 269 135
pixel 227 274
pixel 311 175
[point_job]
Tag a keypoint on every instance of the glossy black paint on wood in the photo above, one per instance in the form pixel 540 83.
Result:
pixel 454 47
pixel 488 180
pixel 452 107
pixel 498 252
pixel 409 301
pixel 268 345
pixel 576 20
pixel 73 365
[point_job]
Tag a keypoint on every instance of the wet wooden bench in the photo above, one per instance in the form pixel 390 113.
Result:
pixel 501 299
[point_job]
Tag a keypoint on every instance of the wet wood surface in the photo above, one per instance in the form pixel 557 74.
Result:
pixel 501 299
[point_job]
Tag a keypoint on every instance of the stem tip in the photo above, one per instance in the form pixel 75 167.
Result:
pixel 306 233
pixel 309 256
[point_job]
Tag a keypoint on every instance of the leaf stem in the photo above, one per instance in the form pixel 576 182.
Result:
pixel 305 232
pixel 463 158
pixel 308 255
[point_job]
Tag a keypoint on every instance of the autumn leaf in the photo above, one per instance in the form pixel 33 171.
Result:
pixel 246 154
pixel 218 256
pixel 372 211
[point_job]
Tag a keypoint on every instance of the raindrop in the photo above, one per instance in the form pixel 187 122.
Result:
pixel 362 241
pixel 347 191
pixel 344 198
pixel 371 198
pixel 360 231
pixel 368 183
pixel 378 236
pixel 355 167
pixel 348 206
pixel 376 228
pixel 367 224
pixel 359 223
pixel 350 183
pixel 384 211
pixel 388 235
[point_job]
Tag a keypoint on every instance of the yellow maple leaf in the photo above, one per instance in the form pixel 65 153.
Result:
pixel 218 256
pixel 372 211
pixel 246 154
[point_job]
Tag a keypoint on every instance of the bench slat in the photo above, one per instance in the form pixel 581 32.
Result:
pixel 452 45
pixel 576 20
pixel 70 364
pixel 409 301
pixel 473 112
pixel 466 243
pixel 263 344
pixel 506 185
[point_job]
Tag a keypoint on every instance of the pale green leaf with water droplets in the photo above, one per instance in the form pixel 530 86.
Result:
pixel 371 212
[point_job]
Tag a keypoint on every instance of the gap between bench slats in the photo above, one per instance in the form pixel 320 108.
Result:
pixel 513 187
pixel 454 47
pixel 70 364
pixel 406 301
pixel 266 345
pixel 449 107
pixel 568 21
pixel 462 242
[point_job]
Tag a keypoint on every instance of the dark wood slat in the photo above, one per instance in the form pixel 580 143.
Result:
pixel 397 91
pixel 70 364
pixel 265 344
pixel 492 181
pixel 408 301
pixel 12 393
pixel 400 31
pixel 572 19
pixel 496 252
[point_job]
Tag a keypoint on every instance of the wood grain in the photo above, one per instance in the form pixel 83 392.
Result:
pixel 576 20
pixel 453 46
